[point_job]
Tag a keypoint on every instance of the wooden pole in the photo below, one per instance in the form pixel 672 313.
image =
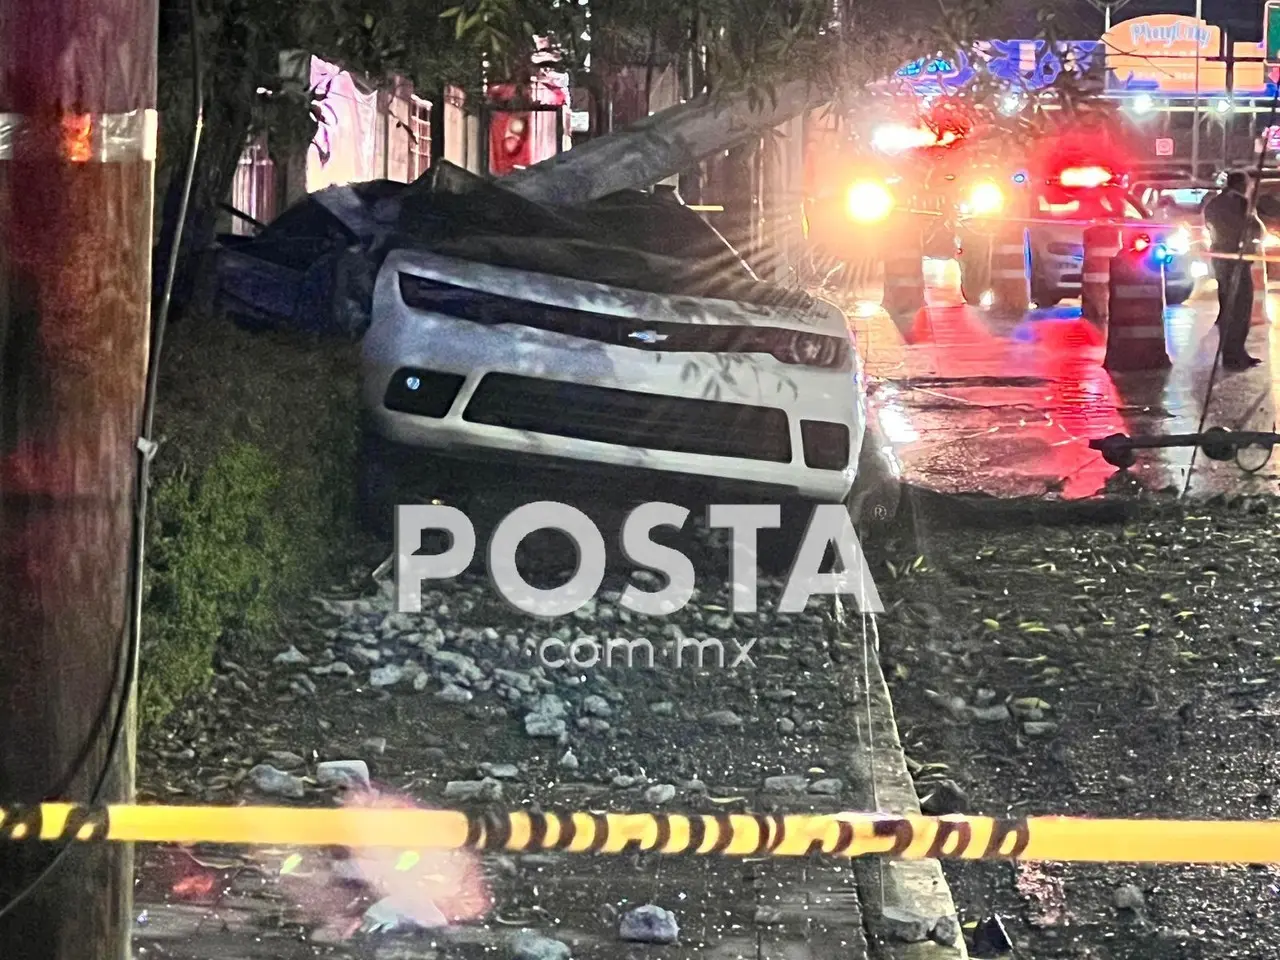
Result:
pixel 77 95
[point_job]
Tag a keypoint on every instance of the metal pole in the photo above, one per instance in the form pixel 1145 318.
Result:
pixel 77 101
pixel 1195 127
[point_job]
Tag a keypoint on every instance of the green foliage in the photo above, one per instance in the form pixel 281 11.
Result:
pixel 728 48
pixel 253 499
pixel 219 557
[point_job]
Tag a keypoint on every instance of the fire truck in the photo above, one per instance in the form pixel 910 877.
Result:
pixel 955 185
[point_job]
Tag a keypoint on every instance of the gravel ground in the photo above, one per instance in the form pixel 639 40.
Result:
pixel 1118 671
pixel 451 708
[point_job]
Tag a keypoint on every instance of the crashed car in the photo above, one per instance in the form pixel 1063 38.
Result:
pixel 625 335
pixel 311 269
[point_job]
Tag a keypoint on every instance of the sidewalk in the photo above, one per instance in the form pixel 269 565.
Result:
pixel 1007 406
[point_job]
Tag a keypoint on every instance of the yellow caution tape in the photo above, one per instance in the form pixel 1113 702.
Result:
pixel 734 835
pixel 1248 257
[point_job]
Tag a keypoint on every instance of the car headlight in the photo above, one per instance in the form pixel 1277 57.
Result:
pixel 810 349
pixel 869 201
pixel 986 199
pixel 1178 243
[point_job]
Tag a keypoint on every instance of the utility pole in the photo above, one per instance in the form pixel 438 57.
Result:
pixel 1106 9
pixel 1195 123
pixel 77 100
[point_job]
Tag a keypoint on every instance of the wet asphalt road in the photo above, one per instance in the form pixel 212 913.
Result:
pixel 1007 406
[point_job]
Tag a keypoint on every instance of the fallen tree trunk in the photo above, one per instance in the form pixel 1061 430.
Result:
pixel 657 147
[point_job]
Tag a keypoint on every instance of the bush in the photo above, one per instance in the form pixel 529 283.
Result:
pixel 252 494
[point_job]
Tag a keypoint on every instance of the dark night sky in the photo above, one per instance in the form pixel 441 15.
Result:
pixel 1241 18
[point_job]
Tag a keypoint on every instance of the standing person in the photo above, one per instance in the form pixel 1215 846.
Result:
pixel 1232 228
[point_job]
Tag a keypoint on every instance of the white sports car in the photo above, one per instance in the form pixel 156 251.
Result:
pixel 475 361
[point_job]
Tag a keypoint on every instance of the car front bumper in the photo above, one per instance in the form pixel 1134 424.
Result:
pixel 1063 274
pixel 507 390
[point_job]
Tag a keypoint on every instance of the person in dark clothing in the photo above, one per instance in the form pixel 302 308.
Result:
pixel 1232 228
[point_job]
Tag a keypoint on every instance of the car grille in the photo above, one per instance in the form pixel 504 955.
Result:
pixel 627 418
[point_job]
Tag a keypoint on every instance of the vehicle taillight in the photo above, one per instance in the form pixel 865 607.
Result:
pixel 869 201
pixel 1085 177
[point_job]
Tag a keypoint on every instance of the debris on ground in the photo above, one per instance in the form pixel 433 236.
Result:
pixel 1138 663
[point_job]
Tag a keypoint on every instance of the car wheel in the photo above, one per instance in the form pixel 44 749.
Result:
pixel 877 489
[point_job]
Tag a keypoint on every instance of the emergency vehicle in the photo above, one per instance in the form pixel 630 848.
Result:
pixel 959 190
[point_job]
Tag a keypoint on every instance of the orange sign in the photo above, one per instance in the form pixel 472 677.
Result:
pixel 1156 55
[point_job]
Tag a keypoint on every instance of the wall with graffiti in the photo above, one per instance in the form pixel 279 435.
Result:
pixel 1029 65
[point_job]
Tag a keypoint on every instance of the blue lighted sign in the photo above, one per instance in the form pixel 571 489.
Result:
pixel 1027 64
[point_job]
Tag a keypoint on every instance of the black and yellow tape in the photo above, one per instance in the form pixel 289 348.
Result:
pixel 734 835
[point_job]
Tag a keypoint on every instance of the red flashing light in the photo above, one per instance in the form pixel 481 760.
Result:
pixel 1086 177
pixel 1141 242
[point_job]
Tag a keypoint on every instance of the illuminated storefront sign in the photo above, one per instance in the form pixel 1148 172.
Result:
pixel 1156 55
pixel 1153 55
pixel 1024 64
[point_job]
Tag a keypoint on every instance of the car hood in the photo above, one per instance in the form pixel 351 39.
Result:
pixel 798 312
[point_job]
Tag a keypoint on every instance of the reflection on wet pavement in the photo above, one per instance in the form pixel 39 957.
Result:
pixel 1008 405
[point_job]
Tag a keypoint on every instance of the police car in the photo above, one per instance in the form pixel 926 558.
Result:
pixel 1057 209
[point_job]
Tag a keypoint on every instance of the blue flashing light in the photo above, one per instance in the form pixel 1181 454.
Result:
pixel 413 383
pixel 1162 254
pixel 1019 177
pixel 1025 332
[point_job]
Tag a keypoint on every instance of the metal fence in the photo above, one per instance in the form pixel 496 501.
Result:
pixel 253 191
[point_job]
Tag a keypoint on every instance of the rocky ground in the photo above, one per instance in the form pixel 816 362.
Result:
pixel 1118 671
pixel 452 708
pixel 1126 669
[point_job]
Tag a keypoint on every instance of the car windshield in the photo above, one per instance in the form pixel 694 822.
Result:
pixel 1180 202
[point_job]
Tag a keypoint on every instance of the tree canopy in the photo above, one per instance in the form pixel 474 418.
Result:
pixel 728 47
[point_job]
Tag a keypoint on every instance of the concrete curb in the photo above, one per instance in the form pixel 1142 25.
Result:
pixel 983 511
pixel 915 888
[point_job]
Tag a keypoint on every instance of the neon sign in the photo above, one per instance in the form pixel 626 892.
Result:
pixel 1029 65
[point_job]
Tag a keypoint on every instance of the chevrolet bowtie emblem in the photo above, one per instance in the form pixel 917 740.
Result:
pixel 647 336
